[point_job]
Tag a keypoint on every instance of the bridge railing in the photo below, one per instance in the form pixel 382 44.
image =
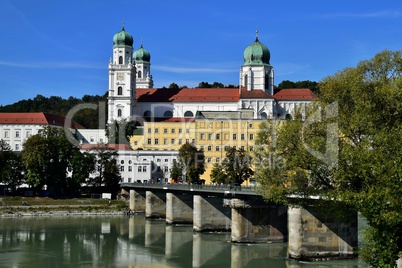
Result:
pixel 206 187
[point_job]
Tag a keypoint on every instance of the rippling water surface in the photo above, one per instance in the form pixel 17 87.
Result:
pixel 99 241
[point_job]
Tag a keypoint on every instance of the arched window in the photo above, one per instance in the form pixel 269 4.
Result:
pixel 119 91
pixel 245 80
pixel 119 112
pixel 121 60
pixel 139 74
pixel 188 114
pixel 168 114
pixel 147 114
pixel 266 81
pixel 264 115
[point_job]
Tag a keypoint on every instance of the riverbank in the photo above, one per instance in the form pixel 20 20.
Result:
pixel 44 206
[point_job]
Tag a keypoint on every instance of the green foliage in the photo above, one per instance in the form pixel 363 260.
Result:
pixel 108 171
pixel 120 131
pixel 174 86
pixel 47 158
pixel 82 164
pixel 11 167
pixel 193 161
pixel 236 168
pixel 111 174
pixel 214 85
pixel 89 118
pixel 218 174
pixel 312 85
pixel 176 171
pixel 359 111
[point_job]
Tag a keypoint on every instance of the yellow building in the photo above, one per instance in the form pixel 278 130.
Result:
pixel 164 134
pixel 214 135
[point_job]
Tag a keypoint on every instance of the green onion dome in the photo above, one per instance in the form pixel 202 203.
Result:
pixel 256 54
pixel 141 55
pixel 123 38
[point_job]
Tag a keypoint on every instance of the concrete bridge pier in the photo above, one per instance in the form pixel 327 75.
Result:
pixel 210 214
pixel 254 221
pixel 179 208
pixel 136 227
pixel 321 234
pixel 155 205
pixel 137 201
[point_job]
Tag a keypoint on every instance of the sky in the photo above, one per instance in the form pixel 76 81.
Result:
pixel 62 48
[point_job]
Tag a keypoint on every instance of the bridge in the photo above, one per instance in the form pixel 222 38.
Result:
pixel 310 233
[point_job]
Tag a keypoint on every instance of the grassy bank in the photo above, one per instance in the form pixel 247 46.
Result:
pixel 23 205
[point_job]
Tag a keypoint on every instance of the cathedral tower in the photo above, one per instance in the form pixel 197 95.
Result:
pixel 121 93
pixel 256 72
pixel 142 60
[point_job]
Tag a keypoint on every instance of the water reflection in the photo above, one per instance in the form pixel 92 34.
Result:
pixel 131 242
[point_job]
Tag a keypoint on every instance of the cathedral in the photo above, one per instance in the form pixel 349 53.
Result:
pixel 131 91
pixel 212 119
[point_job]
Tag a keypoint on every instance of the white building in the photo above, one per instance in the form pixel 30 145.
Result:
pixel 15 128
pixel 139 165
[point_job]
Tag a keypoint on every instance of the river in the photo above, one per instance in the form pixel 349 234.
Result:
pixel 119 241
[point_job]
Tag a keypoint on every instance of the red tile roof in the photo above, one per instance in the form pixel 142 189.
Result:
pixel 295 94
pixel 117 147
pixel 171 119
pixel 255 94
pixel 198 94
pixel 35 119
pixel 187 95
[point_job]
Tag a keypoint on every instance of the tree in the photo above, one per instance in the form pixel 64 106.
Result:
pixel 236 168
pixel 120 131
pixel 111 175
pixel 11 168
pixel 192 161
pixel 204 85
pixel 107 168
pixel 218 174
pixel 173 86
pixel 176 171
pixel 82 164
pixel 47 157
pixel 213 85
pixel 217 85
pixel 5 154
pixel 312 85
pixel 348 149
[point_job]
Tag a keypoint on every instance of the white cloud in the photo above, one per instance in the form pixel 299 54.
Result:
pixel 53 65
pixel 193 70
pixel 379 14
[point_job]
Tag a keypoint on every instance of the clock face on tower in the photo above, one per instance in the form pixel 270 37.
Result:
pixel 120 76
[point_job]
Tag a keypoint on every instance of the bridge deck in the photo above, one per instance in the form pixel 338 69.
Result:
pixel 201 188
